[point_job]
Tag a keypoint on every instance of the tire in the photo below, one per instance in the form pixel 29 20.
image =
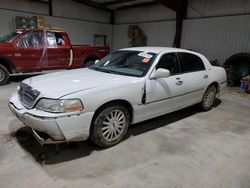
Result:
pixel 110 125
pixel 90 61
pixel 4 75
pixel 208 98
pixel 230 83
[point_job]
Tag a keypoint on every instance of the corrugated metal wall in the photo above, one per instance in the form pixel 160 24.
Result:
pixel 80 32
pixel 217 38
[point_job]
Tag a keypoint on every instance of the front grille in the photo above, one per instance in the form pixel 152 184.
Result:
pixel 27 94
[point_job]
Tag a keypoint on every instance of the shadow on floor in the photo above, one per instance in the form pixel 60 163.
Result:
pixel 48 154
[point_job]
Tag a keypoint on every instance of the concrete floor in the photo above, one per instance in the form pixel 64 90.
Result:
pixel 185 149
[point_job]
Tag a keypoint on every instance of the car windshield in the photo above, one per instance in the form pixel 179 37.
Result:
pixel 9 36
pixel 130 63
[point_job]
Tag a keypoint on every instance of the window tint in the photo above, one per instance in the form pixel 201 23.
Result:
pixel 10 36
pixel 170 62
pixel 129 63
pixel 51 39
pixel 59 39
pixel 190 62
pixel 30 40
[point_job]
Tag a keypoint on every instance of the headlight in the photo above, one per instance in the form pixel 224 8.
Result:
pixel 60 105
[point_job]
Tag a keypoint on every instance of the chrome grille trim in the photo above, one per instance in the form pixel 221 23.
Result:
pixel 27 95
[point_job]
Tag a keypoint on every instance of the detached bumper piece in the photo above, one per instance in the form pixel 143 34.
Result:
pixel 43 138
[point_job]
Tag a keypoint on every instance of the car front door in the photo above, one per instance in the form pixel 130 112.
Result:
pixel 28 51
pixel 164 95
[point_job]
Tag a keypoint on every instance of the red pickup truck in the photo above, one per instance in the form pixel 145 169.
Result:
pixel 26 51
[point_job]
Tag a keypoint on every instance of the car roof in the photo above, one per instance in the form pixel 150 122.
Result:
pixel 155 49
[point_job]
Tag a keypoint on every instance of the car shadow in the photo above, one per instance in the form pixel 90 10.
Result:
pixel 165 120
pixel 19 78
pixel 53 154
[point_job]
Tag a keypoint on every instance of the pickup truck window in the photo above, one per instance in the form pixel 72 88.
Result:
pixel 30 40
pixel 190 62
pixel 59 39
pixel 51 39
pixel 170 62
pixel 130 63
pixel 10 36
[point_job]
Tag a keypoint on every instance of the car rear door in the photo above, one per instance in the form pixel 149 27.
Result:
pixel 194 77
pixel 58 50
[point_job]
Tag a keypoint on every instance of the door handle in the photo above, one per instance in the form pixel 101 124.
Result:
pixel 179 82
pixel 205 76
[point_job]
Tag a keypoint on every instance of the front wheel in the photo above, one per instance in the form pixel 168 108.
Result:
pixel 208 98
pixel 90 61
pixel 4 75
pixel 110 125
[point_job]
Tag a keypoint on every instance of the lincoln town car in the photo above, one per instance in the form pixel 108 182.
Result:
pixel 127 86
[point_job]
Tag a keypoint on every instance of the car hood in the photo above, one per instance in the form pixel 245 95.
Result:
pixel 59 84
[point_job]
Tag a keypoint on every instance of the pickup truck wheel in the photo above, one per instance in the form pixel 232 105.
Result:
pixel 110 125
pixel 89 62
pixel 208 98
pixel 4 75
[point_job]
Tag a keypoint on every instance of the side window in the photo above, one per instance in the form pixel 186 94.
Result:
pixel 191 62
pixel 51 39
pixel 170 62
pixel 59 39
pixel 30 40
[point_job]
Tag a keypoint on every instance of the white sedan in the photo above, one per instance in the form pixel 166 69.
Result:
pixel 126 87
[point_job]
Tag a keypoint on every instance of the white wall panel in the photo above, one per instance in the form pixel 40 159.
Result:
pixel 60 8
pixel 196 9
pixel 71 9
pixel 217 38
pixel 120 36
pixel 144 14
pixel 158 34
pixel 80 32
pixel 208 8
pixel 25 6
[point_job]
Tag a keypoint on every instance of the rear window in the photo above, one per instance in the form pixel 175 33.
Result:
pixel 190 62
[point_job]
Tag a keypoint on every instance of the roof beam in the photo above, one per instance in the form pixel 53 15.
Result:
pixel 116 2
pixel 181 13
pixel 171 4
pixel 92 4
pixel 137 5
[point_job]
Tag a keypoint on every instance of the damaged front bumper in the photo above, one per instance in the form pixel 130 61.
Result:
pixel 51 128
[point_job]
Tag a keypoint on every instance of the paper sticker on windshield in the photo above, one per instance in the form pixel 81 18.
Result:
pixel 145 55
pixel 145 60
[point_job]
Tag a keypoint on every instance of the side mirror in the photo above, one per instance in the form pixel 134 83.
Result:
pixel 96 61
pixel 160 73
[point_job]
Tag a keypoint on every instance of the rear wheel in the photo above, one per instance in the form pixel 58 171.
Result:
pixel 208 98
pixel 110 125
pixel 4 75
